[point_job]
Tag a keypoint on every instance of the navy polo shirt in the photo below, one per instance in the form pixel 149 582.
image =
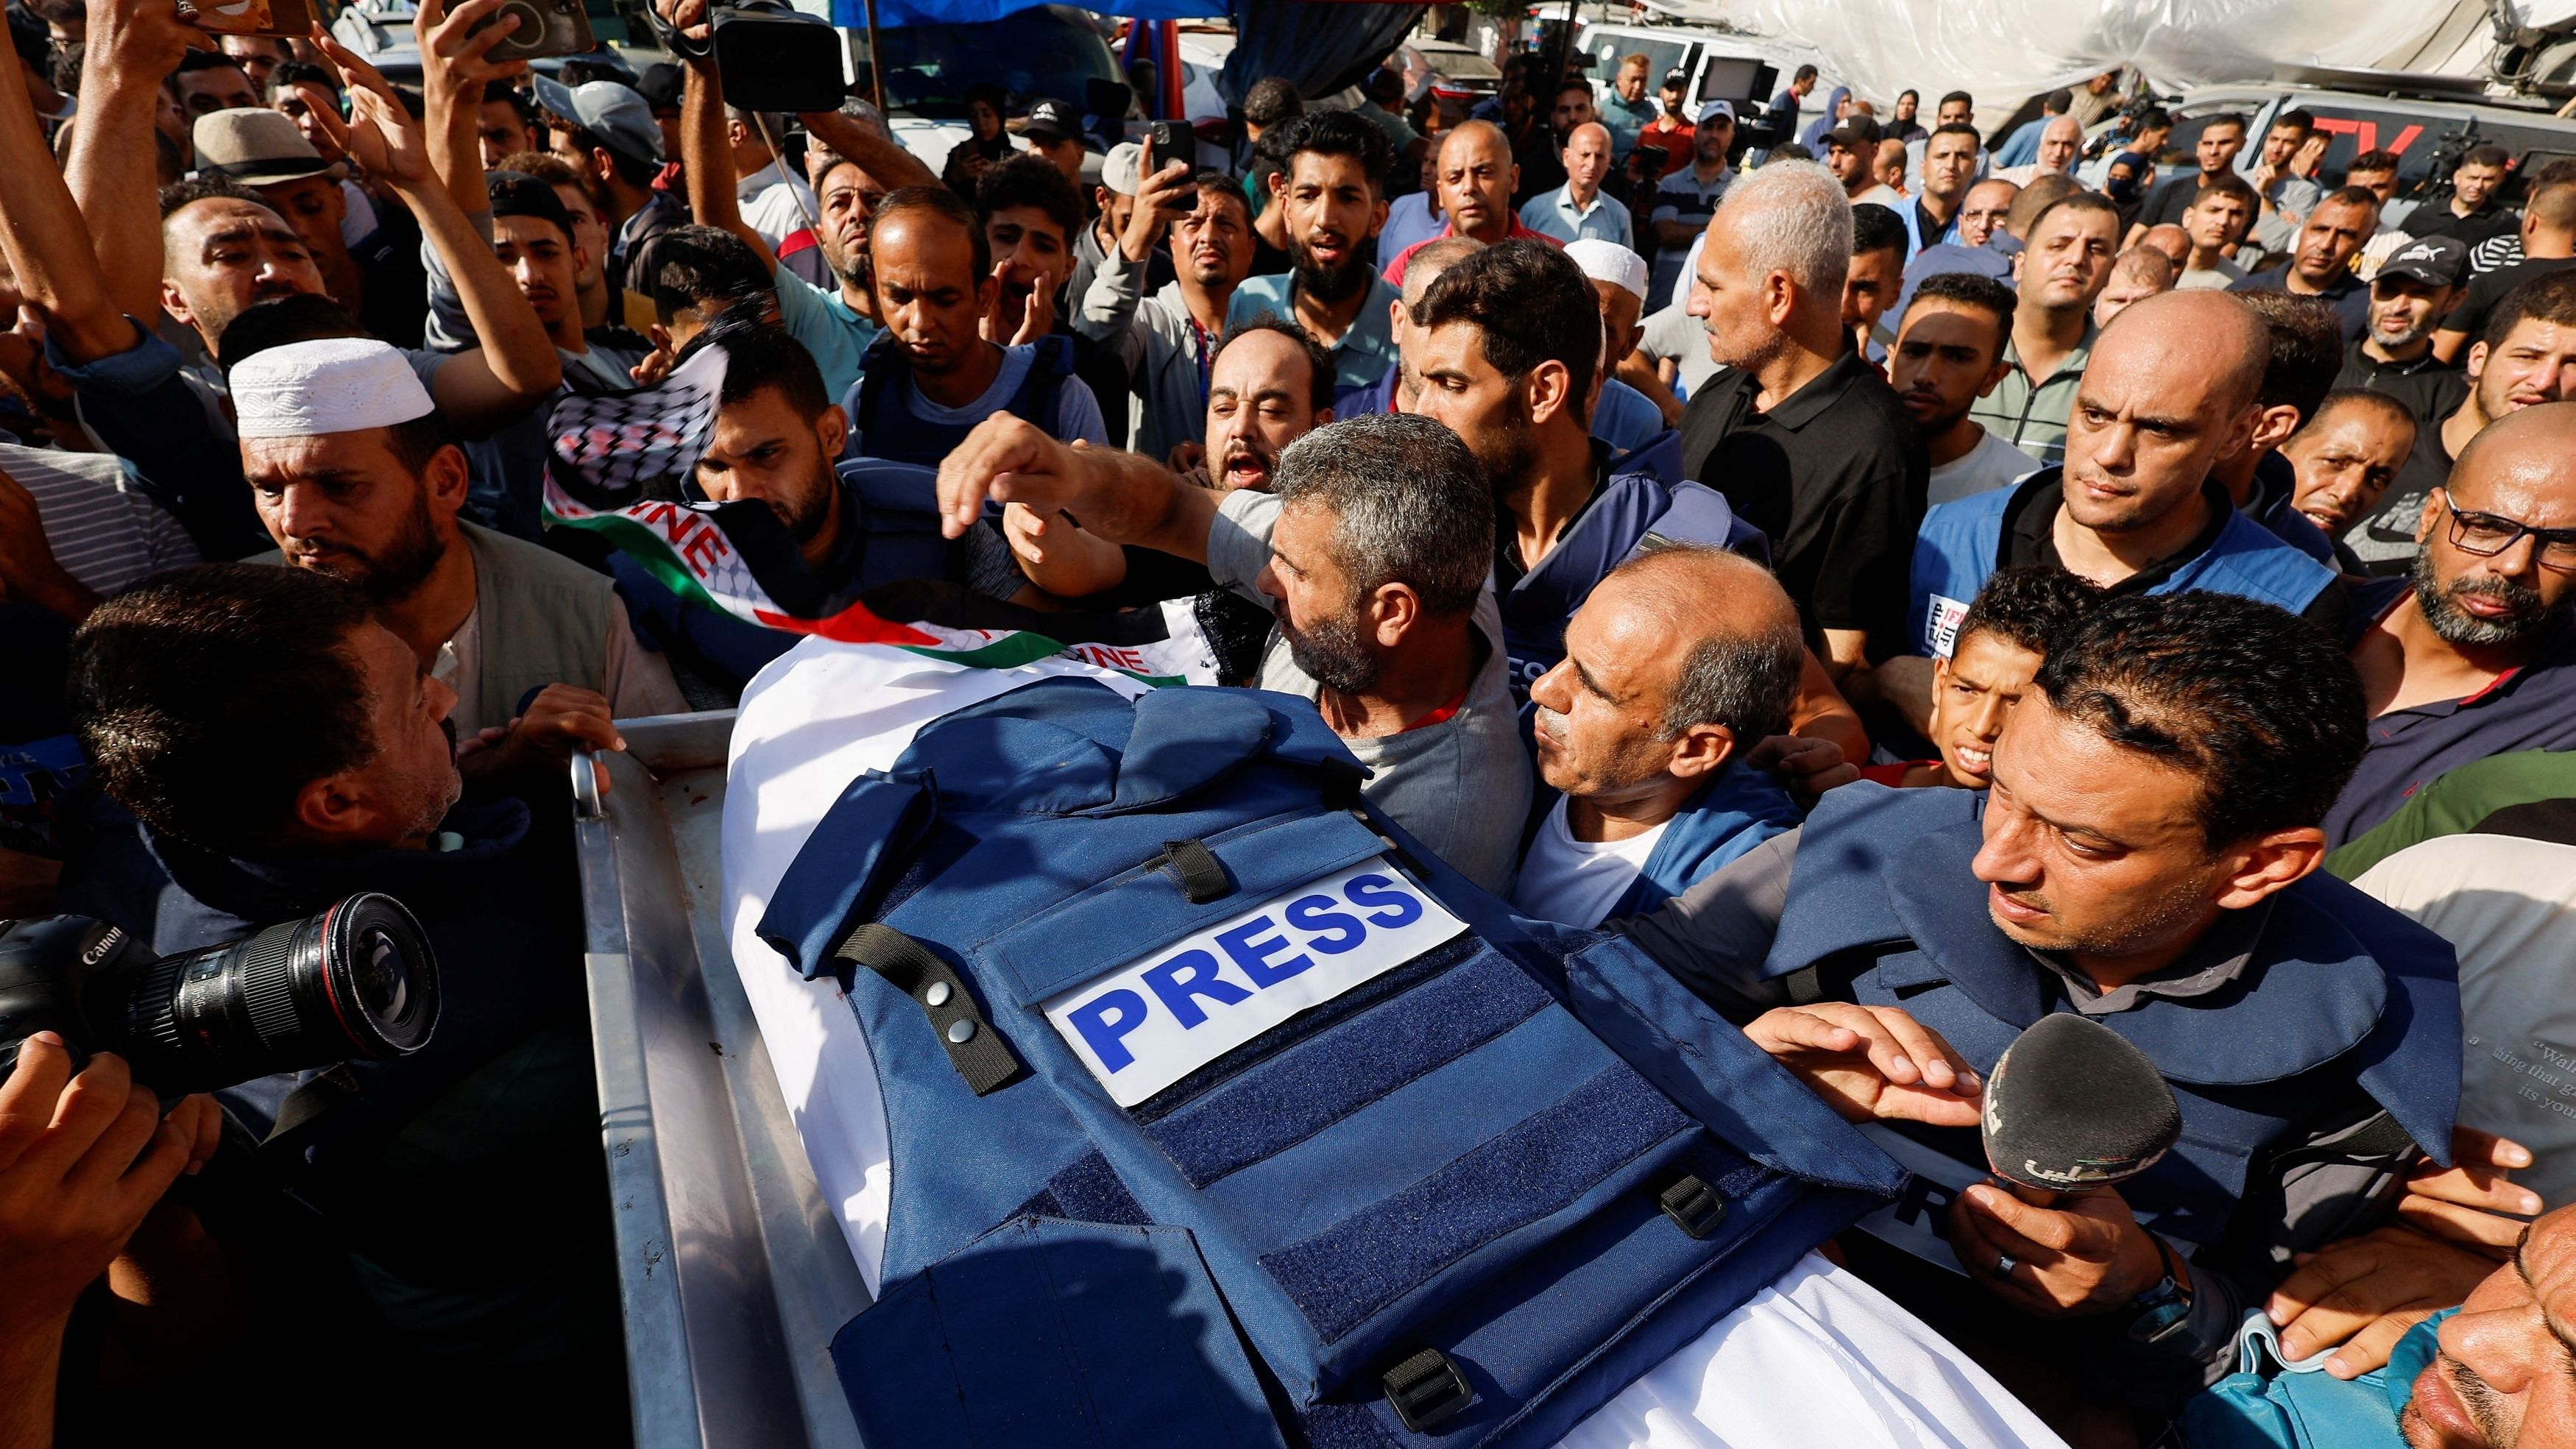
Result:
pixel 2532 707
pixel 2347 294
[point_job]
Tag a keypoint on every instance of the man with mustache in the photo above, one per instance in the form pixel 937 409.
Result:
pixel 355 476
pixel 2526 357
pixel 2469 656
pixel 2410 295
pixel 1166 339
pixel 1679 662
pixel 2345 458
pixel 1477 179
pixel 1949 353
pixel 2146 855
pixel 2064 263
pixel 1331 191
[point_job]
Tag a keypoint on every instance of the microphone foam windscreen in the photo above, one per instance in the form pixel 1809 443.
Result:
pixel 2072 1105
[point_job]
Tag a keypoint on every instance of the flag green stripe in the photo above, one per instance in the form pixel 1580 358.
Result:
pixel 654 552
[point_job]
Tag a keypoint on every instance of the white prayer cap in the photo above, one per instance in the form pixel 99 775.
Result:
pixel 1607 261
pixel 328 385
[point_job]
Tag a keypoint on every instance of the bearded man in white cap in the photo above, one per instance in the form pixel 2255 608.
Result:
pixel 1624 417
pixel 355 476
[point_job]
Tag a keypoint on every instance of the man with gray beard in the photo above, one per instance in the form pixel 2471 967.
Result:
pixel 2468 657
pixel 1372 549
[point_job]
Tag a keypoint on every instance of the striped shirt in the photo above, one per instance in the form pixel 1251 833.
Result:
pixel 103 531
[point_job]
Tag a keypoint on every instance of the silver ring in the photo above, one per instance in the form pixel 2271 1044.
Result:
pixel 2004 1264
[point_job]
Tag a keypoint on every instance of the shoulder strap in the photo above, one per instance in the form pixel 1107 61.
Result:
pixel 973 1048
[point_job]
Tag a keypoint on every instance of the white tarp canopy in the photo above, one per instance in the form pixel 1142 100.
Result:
pixel 2012 48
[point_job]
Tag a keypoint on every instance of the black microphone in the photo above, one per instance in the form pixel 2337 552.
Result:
pixel 2072 1106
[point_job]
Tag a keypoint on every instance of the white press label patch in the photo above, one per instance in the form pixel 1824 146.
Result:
pixel 1941 625
pixel 1154 1021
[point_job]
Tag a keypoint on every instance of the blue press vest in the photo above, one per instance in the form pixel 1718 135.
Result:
pixel 1961 544
pixel 1738 809
pixel 2340 991
pixel 1644 499
pixel 893 433
pixel 1468 1153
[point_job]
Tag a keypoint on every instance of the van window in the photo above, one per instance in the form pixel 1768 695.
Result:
pixel 1661 55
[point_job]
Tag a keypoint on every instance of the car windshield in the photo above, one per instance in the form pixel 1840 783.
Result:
pixel 1034 54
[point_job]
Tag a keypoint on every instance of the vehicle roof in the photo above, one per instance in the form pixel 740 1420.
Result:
pixel 2499 108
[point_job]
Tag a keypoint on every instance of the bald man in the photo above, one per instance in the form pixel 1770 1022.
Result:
pixel 1578 211
pixel 2469 655
pixel 2171 388
pixel 1476 180
pixel 2060 143
pixel 1679 662
pixel 2170 239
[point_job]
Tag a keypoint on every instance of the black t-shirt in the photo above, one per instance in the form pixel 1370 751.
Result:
pixel 2385 541
pixel 2170 200
pixel 2360 369
pixel 395 308
pixel 2486 291
pixel 2030 537
pixel 2347 294
pixel 1834 476
pixel 2435 218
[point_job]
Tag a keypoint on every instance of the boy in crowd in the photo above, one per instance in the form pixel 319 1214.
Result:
pixel 2002 641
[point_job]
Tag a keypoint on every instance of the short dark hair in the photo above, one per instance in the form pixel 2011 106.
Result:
pixel 207 697
pixel 2230 184
pixel 206 186
pixel 194 61
pixel 1875 228
pixel 2026 606
pixel 2238 119
pixel 1338 133
pixel 502 89
pixel 1572 83
pixel 1271 100
pixel 279 321
pixel 2058 102
pixel 2368 399
pixel 1960 96
pixel 2486 154
pixel 759 356
pixel 2349 196
pixel 2373 161
pixel 301 73
pixel 2550 299
pixel 690 266
pixel 946 204
pixel 1529 302
pixel 2307 350
pixel 1410 504
pixel 2152 118
pixel 1957 128
pixel 2257 703
pixel 1319 363
pixel 1223 184
pixel 1969 289
pixel 1030 181
pixel 2304 121
pixel 1804 73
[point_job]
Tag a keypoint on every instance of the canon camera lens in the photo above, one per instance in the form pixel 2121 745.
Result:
pixel 356 981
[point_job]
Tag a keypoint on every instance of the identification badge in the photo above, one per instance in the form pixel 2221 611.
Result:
pixel 1941 625
pixel 1917 1219
pixel 1155 1020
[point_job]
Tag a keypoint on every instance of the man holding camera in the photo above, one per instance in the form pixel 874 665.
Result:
pixel 274 749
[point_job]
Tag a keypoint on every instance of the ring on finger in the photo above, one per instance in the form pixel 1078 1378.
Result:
pixel 2004 1264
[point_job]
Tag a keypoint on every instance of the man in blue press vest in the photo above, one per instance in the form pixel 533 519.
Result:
pixel 932 376
pixel 2147 856
pixel 2171 390
pixel 1681 661
pixel 1511 347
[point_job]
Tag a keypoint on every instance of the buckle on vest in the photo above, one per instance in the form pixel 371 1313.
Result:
pixel 1427 1390
pixel 1693 1206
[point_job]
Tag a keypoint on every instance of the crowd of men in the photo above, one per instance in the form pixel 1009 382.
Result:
pixel 2102 560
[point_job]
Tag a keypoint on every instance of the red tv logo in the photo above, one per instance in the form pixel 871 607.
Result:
pixel 2365 134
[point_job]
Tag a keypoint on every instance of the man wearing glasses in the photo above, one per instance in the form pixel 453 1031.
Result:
pixel 2469 655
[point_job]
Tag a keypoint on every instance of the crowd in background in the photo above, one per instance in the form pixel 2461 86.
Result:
pixel 1623 478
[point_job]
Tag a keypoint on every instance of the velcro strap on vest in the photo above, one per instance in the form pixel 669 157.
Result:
pixel 1202 877
pixel 974 1048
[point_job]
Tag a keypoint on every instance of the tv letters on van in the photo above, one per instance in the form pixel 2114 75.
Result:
pixel 1150 1023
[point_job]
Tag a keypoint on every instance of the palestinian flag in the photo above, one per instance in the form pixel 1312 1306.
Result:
pixel 620 468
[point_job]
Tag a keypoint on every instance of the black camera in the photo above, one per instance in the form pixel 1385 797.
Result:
pixel 542 27
pixel 357 980
pixel 768 56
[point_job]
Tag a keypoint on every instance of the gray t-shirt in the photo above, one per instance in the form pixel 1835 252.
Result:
pixel 1462 786
pixel 1992 464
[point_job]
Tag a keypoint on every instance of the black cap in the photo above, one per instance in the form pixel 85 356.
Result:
pixel 1052 120
pixel 1676 79
pixel 660 85
pixel 516 193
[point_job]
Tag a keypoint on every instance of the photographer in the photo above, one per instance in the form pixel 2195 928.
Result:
pixel 278 750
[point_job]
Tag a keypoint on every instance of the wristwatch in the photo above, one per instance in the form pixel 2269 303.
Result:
pixel 2161 1311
